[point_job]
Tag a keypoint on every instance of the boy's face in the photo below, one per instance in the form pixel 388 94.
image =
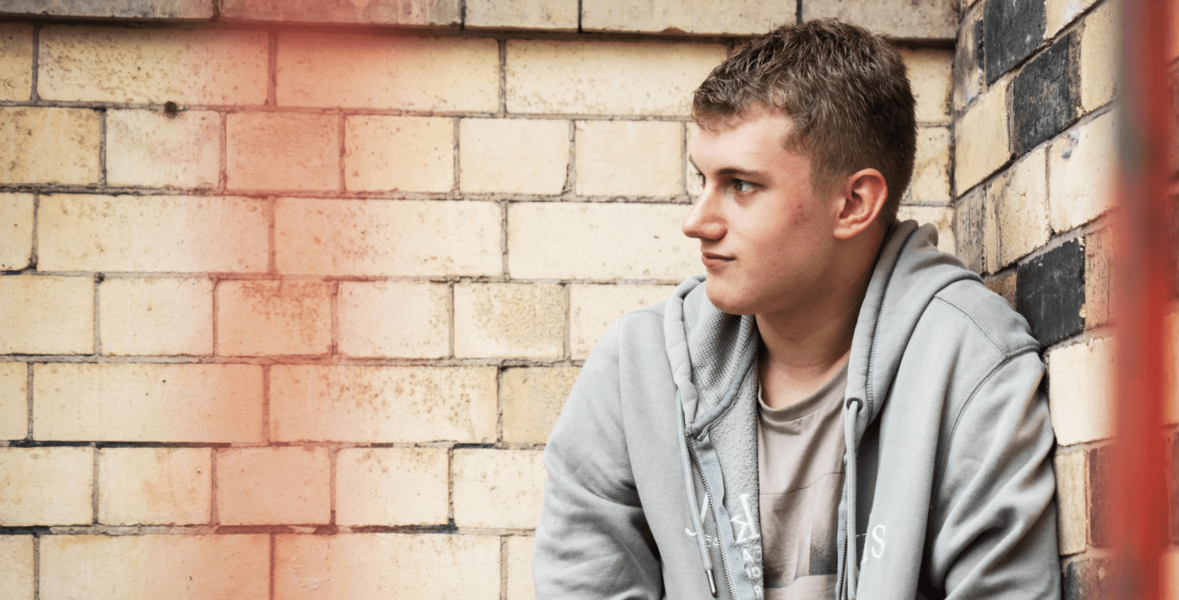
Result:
pixel 766 237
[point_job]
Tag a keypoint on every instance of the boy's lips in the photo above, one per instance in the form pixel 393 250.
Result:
pixel 712 260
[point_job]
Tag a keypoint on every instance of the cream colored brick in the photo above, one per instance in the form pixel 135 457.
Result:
pixel 16 566
pixel 388 237
pixel 46 315
pixel 1058 13
pixel 282 151
pixel 1081 169
pixel 149 486
pixel 1080 391
pixel 16 224
pixel 498 488
pixel 895 18
pixel 383 404
pixel 178 567
pixel 600 241
pixel 16 62
pixel 151 233
pixel 515 156
pixel 930 76
pixel 257 318
pixel 940 217
pixel 628 158
pixel 49 145
pixel 560 15
pixel 148 402
pixel 369 566
pixel 1004 285
pixel 270 486
pixel 931 168
pixel 46 486
pixel 388 72
pixel 594 308
pixel 532 398
pixel 14 401
pixel 156 316
pixel 1071 504
pixel 1100 49
pixel 399 153
pixel 394 319
pixel 520 586
pixel 1021 207
pixel 981 142
pixel 741 17
pixel 606 78
pixel 121 64
pixel 145 147
pixel 517 320
pixel 392 486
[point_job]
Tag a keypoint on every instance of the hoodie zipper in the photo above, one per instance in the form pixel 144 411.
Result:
pixel 715 516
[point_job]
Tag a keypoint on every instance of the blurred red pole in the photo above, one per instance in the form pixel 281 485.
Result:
pixel 1144 290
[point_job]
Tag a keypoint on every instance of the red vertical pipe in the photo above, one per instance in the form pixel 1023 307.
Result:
pixel 1143 293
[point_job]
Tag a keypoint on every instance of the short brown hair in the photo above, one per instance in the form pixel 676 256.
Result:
pixel 845 89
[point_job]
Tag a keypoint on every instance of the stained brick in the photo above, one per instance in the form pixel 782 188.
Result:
pixel 383 404
pixel 741 17
pixel 931 78
pixel 968 57
pixel 931 169
pixel 118 9
pixel 157 316
pixel 1099 277
pixel 49 145
pixel 154 486
pixel 1071 502
pixel 561 15
pixel 150 148
pixel 257 318
pixel 16 566
pixel 1012 31
pixel 14 403
pixel 517 320
pixel 1080 391
pixel 628 158
pixel 16 60
pixel 532 398
pixel 398 153
pixel 1100 52
pixel 1100 496
pixel 46 486
pixel 1041 105
pixel 1089 579
pixel 940 217
pixel 498 488
pixel 1059 13
pixel 374 12
pixel 392 486
pixel 418 328
pixel 280 151
pixel 1050 293
pixel 16 223
pixel 46 315
pixel 896 18
pixel 147 402
pixel 969 230
pixel 1004 284
pixel 594 308
pixel 520 586
pixel 1020 197
pixel 518 156
pixel 269 486
pixel 1081 173
pixel 981 140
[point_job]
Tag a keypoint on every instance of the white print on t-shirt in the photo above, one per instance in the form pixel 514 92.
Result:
pixel 747 531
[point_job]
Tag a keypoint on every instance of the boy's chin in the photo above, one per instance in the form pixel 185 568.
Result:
pixel 724 298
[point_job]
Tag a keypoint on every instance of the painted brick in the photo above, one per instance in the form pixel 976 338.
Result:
pixel 282 151
pixel 392 486
pixel 16 61
pixel 606 78
pixel 16 223
pixel 49 145
pixel 1005 285
pixel 895 18
pixel 142 486
pixel 384 72
pixel 1099 277
pixel 257 318
pixel 16 566
pixel 1080 391
pixel 518 320
pixel 1101 496
pixel 269 486
pixel 418 328
pixel 516 156
pixel 931 78
pixel 1041 105
pixel 968 53
pixel 179 567
pixel 981 140
pixel 1013 30
pixel 151 234
pixel 1100 51
pixel 383 404
pixel 628 158
pixel 970 230
pixel 367 566
pixel 1059 13
pixel 374 12
pixel 1050 293
pixel 118 9
pixel 1081 173
pixel 398 153
pixel 46 315
pixel 1089 579
pixel 940 217
pixel 594 308
pixel 547 240
pixel 14 401
pixel 147 403
pixel 532 398
pixel 931 168
pixel 118 64
pixel 498 488
pixel 384 238
pixel 520 586
pixel 156 316
pixel 523 14
pixel 1071 503
pixel 149 148
pixel 743 17
pixel 1020 196
pixel 46 486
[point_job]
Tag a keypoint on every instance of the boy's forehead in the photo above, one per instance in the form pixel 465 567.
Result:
pixel 752 137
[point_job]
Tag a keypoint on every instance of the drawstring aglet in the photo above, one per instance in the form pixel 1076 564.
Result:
pixel 711 582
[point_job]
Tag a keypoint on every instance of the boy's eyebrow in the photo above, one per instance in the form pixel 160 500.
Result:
pixel 728 171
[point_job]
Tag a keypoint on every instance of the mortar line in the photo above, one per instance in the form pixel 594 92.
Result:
pixel 499 407
pixel 580 7
pixel 223 159
pixel 98 279
pixel 503 71
pixel 94 491
pixel 36 566
pixel 571 166
pixel 214 509
pixel 503 241
pixel 503 560
pixel 34 81
pixel 333 457
pixel 456 164
pixel 272 69
pixel 272 563
pixel 450 484
pixel 450 316
pixel 798 12
pixel 102 147
pixel 33 253
pixel 271 250
pixel 216 311
pixel 335 309
pixel 266 402
pixel 462 15
pixel 343 186
pixel 29 399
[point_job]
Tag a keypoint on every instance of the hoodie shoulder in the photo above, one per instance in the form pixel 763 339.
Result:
pixel 990 315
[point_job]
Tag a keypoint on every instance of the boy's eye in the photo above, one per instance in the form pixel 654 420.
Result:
pixel 742 186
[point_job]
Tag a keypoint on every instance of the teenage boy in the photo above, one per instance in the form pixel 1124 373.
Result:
pixel 835 378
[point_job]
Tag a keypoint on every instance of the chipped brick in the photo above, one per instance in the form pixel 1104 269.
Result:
pixel 1050 293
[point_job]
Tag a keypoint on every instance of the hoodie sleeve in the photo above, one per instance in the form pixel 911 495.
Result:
pixel 996 525
pixel 593 540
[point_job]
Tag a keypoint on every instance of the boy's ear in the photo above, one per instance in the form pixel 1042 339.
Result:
pixel 863 195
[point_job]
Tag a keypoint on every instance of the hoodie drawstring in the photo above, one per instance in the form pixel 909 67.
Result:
pixel 852 571
pixel 697 523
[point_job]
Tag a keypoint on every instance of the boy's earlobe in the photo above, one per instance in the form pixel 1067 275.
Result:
pixel 865 193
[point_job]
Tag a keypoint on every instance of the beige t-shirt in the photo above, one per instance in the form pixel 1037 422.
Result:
pixel 800 468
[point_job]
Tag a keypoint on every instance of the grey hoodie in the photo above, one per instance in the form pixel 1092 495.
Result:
pixel 652 466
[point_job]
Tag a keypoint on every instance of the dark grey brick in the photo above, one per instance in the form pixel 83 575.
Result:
pixel 1050 292
pixel 119 9
pixel 1100 499
pixel 377 12
pixel 1090 579
pixel 1041 105
pixel 1012 30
